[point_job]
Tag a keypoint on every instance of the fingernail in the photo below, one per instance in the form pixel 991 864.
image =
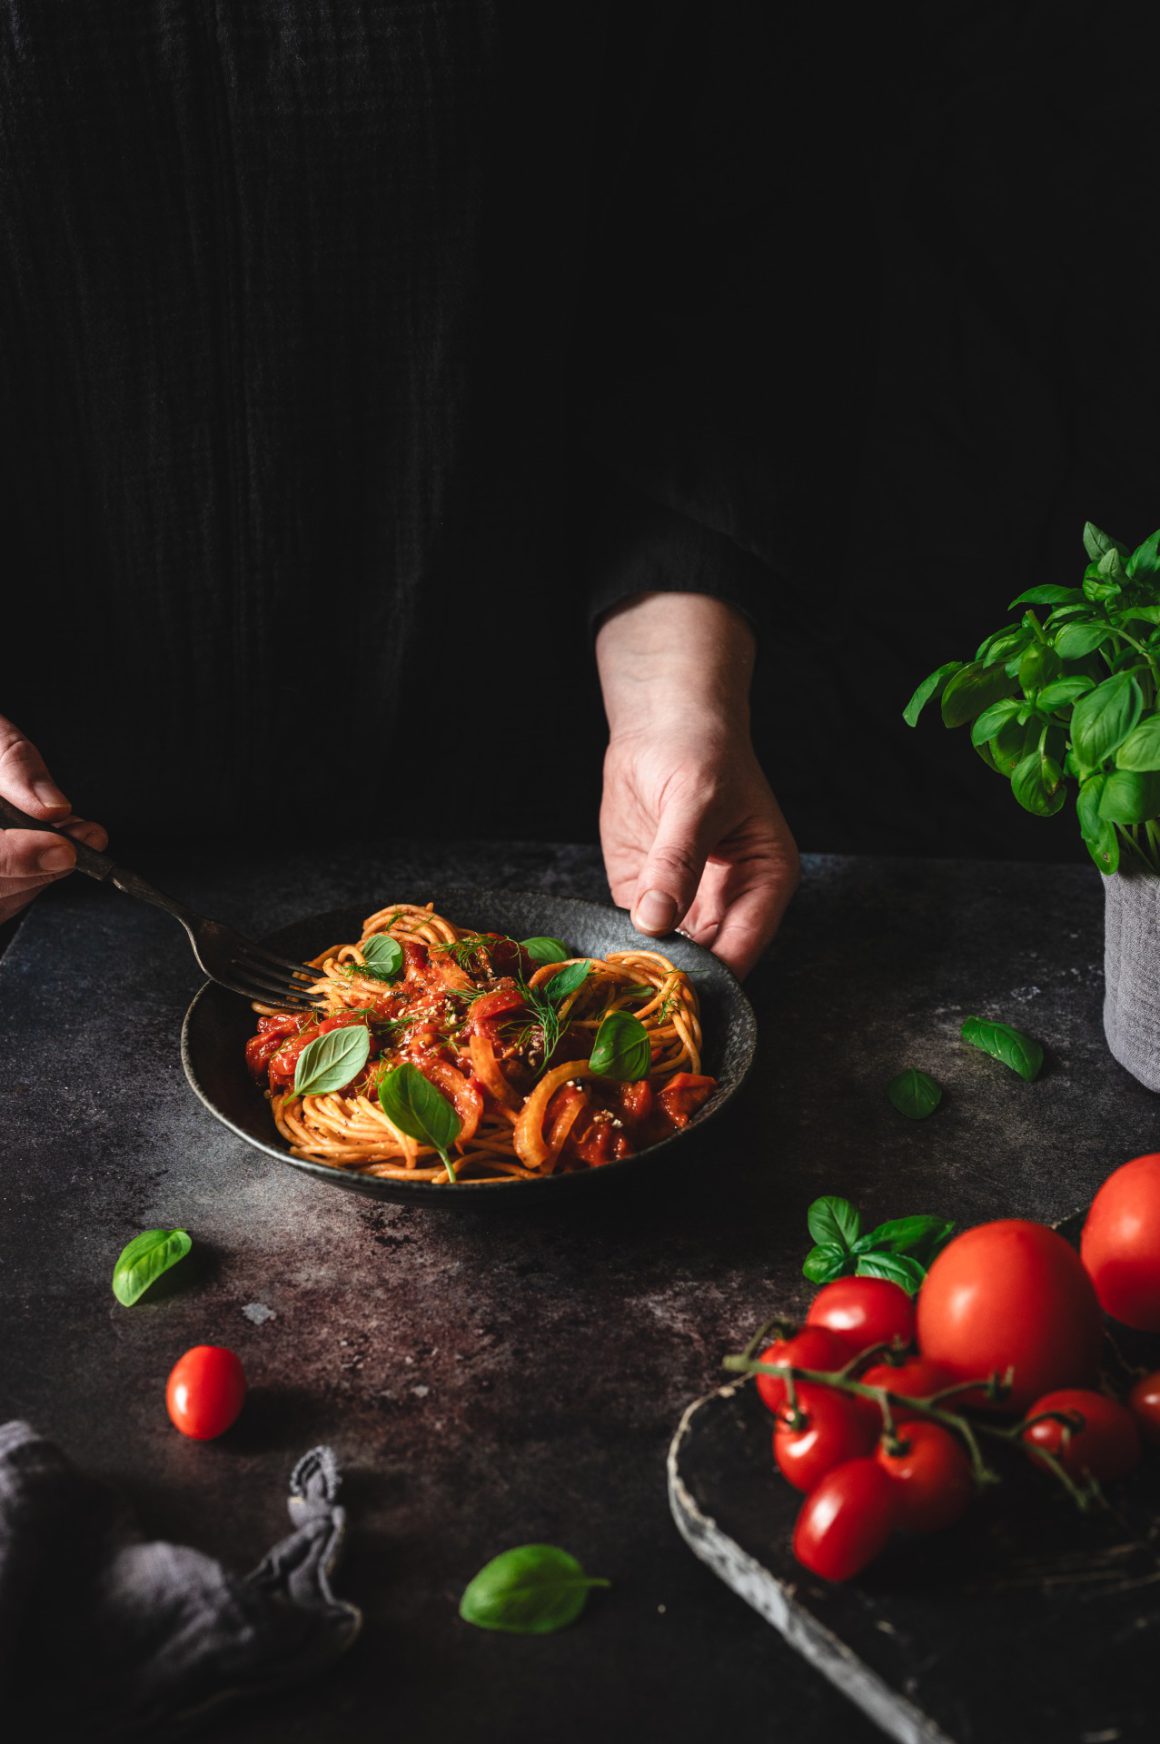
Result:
pixel 654 913
pixel 48 793
pixel 57 859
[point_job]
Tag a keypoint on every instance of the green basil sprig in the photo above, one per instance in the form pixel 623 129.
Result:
pixel 383 957
pixel 534 1589
pixel 546 950
pixel 1021 1052
pixel 914 1093
pixel 413 1104
pixel 900 1250
pixel 559 986
pixel 330 1061
pixel 145 1259
pixel 1066 702
pixel 621 1049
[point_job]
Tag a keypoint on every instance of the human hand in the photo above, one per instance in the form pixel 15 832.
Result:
pixel 691 831
pixel 29 859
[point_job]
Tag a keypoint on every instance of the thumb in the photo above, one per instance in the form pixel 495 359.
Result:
pixel 672 870
pixel 24 779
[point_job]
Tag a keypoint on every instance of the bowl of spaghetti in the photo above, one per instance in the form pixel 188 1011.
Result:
pixel 541 1040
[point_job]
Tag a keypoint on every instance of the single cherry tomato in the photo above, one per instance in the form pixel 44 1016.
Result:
pixel 1014 1295
pixel 864 1312
pixel 846 1521
pixel 1144 1403
pixel 1120 1245
pixel 205 1391
pixel 916 1378
pixel 1105 1445
pixel 834 1431
pixel 933 1475
pixel 811 1348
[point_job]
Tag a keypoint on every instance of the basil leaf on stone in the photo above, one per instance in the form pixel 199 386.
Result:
pixel 1130 797
pixel 825 1262
pixel 1076 641
pixel 145 1259
pixel 1038 785
pixel 531 1590
pixel 897 1269
pixel 1145 559
pixel 971 690
pixel 621 1049
pixel 546 950
pixel 931 686
pixel 914 1093
pixel 1097 543
pixel 834 1220
pixel 1103 718
pixel 383 957
pixel 1022 1053
pixel 567 981
pixel 1141 749
pixel 413 1104
pixel 330 1061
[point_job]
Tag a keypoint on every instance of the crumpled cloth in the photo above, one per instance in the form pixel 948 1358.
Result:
pixel 1132 973
pixel 104 1635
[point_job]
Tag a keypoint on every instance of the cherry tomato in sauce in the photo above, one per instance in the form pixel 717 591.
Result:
pixel 681 1097
pixel 205 1391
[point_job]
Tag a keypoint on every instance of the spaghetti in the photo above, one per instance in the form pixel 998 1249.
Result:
pixel 517 1046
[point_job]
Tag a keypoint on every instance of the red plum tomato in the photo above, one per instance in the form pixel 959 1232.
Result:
pixel 834 1431
pixel 1120 1244
pixel 932 1474
pixel 812 1348
pixel 846 1521
pixel 205 1391
pixel 1144 1404
pixel 1106 1443
pixel 863 1312
pixel 1011 1295
pixel 916 1378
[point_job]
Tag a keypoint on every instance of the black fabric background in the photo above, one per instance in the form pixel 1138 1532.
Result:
pixel 352 358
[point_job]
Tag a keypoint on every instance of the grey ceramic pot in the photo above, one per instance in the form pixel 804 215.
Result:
pixel 1132 973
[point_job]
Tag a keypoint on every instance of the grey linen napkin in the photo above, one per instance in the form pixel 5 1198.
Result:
pixel 104 1634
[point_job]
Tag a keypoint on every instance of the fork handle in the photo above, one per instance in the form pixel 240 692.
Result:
pixel 98 866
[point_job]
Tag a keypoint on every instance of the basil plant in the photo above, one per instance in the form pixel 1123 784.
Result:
pixel 1067 699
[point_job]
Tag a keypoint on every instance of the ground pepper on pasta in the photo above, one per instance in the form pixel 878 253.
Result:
pixel 476 1014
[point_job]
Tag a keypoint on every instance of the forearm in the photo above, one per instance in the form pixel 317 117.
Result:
pixel 669 656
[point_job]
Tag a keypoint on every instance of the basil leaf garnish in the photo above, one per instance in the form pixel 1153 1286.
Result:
pixel 1022 1053
pixel 897 1269
pixel 567 981
pixel 531 1590
pixel 330 1061
pixel 621 1049
pixel 143 1261
pixel 384 957
pixel 413 1104
pixel 546 950
pixel 832 1220
pixel 914 1093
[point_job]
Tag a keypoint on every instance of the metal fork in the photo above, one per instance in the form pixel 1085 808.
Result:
pixel 226 957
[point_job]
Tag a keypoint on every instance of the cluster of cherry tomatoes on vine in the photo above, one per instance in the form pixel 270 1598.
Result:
pixel 884 1404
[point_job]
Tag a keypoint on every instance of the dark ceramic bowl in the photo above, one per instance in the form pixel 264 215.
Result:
pixel 218 1024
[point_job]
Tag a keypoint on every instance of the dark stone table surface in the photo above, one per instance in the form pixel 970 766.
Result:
pixel 496 1379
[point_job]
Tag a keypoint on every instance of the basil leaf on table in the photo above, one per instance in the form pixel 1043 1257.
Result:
pixel 413 1104
pixel 914 1093
pixel 559 986
pixel 546 950
pixel 534 1589
pixel 834 1220
pixel 826 1261
pixel 1022 1053
pixel 384 957
pixel 897 1269
pixel 621 1049
pixel 145 1259
pixel 330 1061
